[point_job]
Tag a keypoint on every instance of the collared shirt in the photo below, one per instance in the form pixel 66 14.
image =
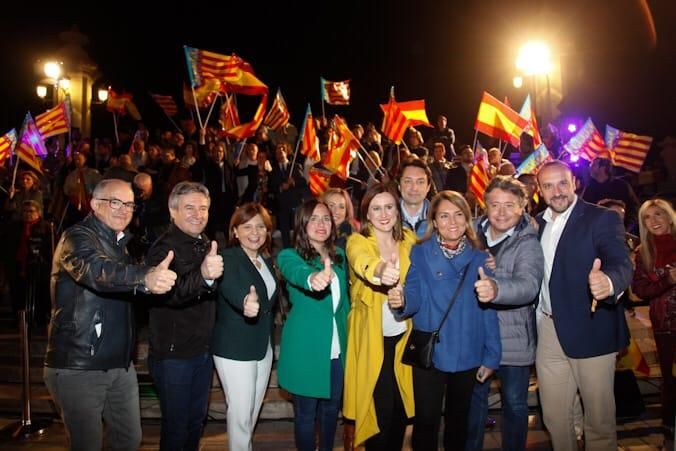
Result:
pixel 549 241
pixel 412 221
pixel 490 242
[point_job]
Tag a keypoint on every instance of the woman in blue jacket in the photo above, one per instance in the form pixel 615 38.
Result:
pixel 469 347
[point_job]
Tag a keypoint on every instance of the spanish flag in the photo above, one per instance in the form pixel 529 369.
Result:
pixel 499 121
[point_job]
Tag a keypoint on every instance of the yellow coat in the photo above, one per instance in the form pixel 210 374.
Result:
pixel 365 337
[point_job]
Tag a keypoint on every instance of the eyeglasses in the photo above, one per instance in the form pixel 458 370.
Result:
pixel 116 204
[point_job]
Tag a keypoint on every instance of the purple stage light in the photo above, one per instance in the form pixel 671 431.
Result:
pixel 574 157
pixel 572 128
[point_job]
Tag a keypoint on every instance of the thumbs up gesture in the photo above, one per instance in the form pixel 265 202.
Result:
pixel 212 265
pixel 389 271
pixel 599 283
pixel 251 305
pixel 161 279
pixel 395 297
pixel 322 279
pixel 486 288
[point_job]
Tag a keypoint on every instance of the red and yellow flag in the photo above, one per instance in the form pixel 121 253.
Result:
pixel 336 92
pixel 588 143
pixel 249 129
pixel 166 103
pixel 31 146
pixel 278 116
pixel 395 123
pixel 499 121
pixel 478 177
pixel 117 103
pixel 7 144
pixel 229 117
pixel 55 121
pixel 343 146
pixel 629 149
pixel 528 113
pixel 634 359
pixel 318 181
pixel 309 143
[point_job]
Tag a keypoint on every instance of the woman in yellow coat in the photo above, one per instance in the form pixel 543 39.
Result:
pixel 378 393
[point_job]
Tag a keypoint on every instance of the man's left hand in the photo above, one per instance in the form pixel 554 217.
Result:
pixel 599 284
pixel 212 265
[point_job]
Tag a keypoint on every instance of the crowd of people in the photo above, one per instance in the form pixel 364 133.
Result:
pixel 179 231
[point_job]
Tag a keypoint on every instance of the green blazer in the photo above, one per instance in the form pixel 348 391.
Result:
pixel 237 337
pixel 304 366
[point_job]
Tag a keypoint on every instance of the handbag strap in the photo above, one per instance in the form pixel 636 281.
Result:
pixel 455 296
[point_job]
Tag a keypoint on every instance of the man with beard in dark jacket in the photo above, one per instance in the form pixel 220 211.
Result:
pixel 182 321
pixel 88 364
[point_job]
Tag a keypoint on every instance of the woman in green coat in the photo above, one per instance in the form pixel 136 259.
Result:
pixel 244 317
pixel 312 349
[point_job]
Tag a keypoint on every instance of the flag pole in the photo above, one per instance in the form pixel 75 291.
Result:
pixel 197 110
pixel 206 122
pixel 16 167
pixel 476 135
pixel 174 122
pixel 117 135
pixel 321 96
pixel 295 152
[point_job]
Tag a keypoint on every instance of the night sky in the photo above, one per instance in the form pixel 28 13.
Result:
pixel 446 52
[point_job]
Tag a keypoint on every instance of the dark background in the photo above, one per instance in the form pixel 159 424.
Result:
pixel 446 52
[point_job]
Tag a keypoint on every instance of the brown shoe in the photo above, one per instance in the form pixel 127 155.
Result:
pixel 348 435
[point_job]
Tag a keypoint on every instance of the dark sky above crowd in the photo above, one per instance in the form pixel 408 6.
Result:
pixel 446 52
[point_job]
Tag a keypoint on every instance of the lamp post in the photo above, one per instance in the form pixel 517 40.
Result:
pixel 535 59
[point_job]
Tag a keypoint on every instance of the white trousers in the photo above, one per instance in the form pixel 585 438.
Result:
pixel 244 384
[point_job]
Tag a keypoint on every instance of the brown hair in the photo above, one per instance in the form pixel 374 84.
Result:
pixel 244 214
pixel 373 191
pixel 349 208
pixel 459 201
pixel 508 184
pixel 302 241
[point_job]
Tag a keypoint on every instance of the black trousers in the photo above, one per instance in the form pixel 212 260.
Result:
pixel 428 389
pixel 389 406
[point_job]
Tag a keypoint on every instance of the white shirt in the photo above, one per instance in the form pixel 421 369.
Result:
pixel 549 241
pixel 335 299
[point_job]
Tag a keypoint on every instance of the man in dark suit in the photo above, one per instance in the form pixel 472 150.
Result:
pixel 580 325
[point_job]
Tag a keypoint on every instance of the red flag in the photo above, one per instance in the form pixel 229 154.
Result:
pixel 342 148
pixel 166 103
pixel 309 145
pixel 117 103
pixel 31 146
pixel 499 121
pixel 336 92
pixel 278 116
pixel 55 121
pixel 248 129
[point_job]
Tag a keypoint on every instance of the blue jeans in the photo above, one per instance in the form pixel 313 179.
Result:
pixel 324 411
pixel 183 387
pixel 514 383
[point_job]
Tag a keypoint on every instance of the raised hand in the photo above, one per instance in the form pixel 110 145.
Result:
pixel 161 279
pixel 395 297
pixel 486 288
pixel 251 305
pixel 389 272
pixel 322 279
pixel 599 284
pixel 212 265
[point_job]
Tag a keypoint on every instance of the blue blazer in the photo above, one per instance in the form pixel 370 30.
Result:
pixel 470 336
pixel 590 232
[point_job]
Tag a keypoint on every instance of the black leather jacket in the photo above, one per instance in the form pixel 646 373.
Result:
pixel 92 282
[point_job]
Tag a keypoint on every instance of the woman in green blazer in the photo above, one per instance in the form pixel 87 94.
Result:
pixel 312 350
pixel 241 343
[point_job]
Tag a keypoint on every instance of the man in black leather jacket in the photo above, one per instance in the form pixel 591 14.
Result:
pixel 88 364
pixel 182 321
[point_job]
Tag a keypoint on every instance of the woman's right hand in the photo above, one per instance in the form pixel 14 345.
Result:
pixel 389 271
pixel 322 279
pixel 251 306
pixel 395 297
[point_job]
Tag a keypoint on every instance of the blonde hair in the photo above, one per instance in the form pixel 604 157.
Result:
pixel 647 248
pixel 349 207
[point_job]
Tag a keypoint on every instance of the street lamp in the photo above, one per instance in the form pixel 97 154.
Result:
pixel 53 69
pixel 517 82
pixel 535 59
pixel 103 95
pixel 41 91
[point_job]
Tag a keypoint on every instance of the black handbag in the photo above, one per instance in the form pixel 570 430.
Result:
pixel 420 344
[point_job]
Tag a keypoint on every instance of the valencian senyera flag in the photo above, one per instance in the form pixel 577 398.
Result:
pixel 31 148
pixel 318 180
pixel 231 74
pixel 167 104
pixel 7 144
pixel 309 142
pixel 336 92
pixel 229 117
pixel 499 121
pixel 629 150
pixel 278 115
pixel 55 121
pixel 528 113
pixel 588 143
pixel 478 177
